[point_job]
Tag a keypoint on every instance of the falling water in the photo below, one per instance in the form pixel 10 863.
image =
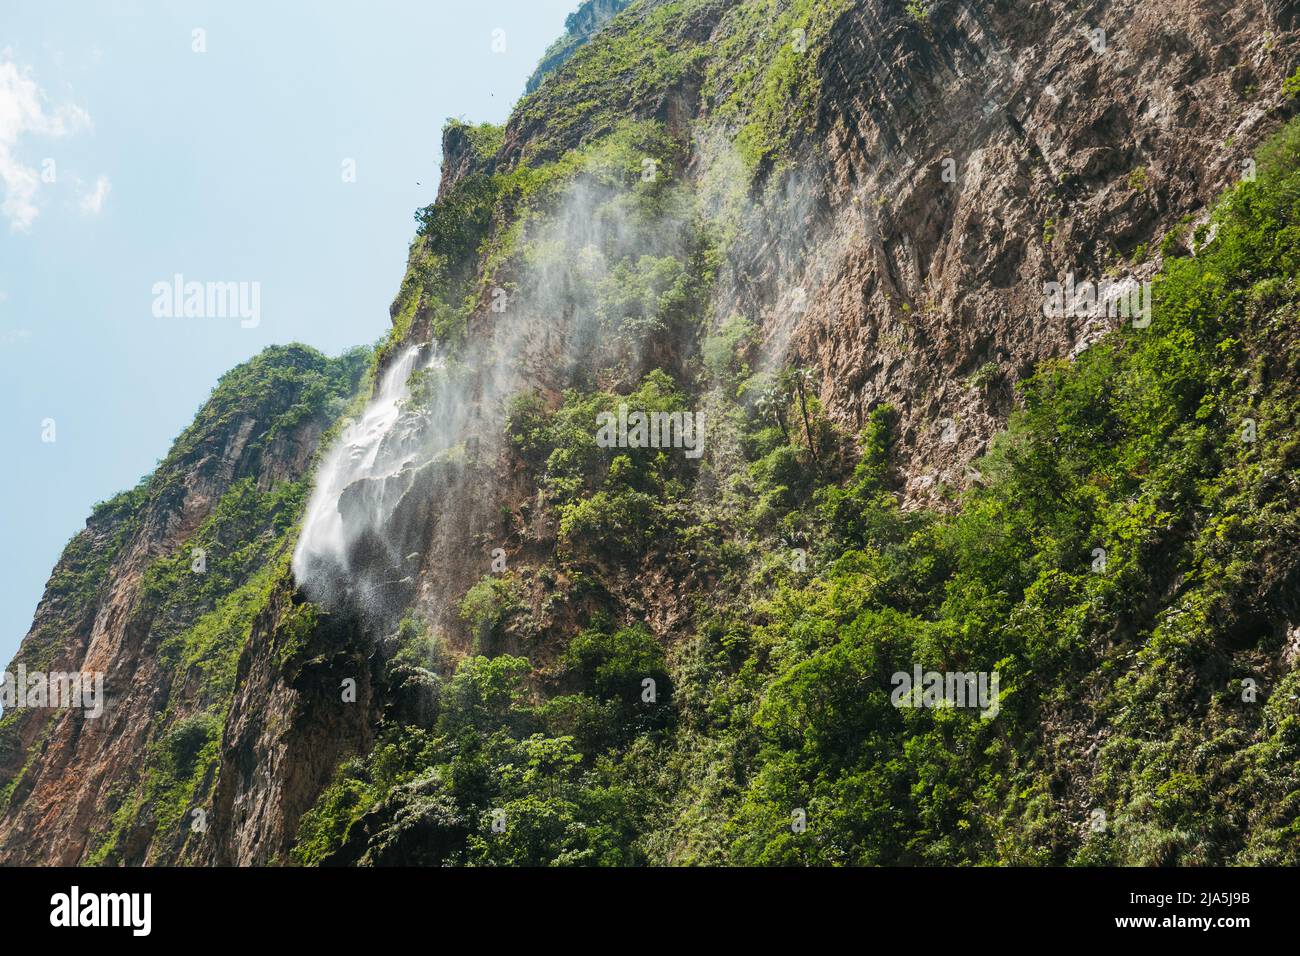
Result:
pixel 378 446
pixel 393 496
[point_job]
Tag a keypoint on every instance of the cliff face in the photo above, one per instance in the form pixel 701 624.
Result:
pixel 133 598
pixel 1085 141
pixel 942 167
pixel 579 27
pixel 895 187
pixel 824 227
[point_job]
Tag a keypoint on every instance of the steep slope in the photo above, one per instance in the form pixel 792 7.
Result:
pixel 579 27
pixel 824 233
pixel 1127 572
pixel 157 594
pixel 744 209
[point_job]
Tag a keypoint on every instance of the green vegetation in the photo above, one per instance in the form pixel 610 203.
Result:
pixel 763 75
pixel 638 58
pixel 198 604
pixel 1291 85
pixel 485 138
pixel 609 503
pixel 431 795
pixel 811 587
pixel 466 238
pixel 179 767
pixel 688 659
pixel 283 384
pixel 759 70
pixel 487 605
pixel 558 53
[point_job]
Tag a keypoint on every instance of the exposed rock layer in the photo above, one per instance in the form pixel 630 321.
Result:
pixel 921 285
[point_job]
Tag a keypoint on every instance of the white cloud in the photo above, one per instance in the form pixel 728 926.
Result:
pixel 23 113
pixel 9 337
pixel 92 203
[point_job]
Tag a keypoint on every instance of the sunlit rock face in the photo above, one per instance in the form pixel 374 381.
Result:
pixel 107 609
pixel 895 247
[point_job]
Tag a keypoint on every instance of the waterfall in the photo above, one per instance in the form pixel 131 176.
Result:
pixel 377 446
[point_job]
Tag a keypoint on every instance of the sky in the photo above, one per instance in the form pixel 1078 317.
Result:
pixel 286 144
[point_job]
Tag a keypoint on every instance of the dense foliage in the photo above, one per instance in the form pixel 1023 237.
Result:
pixel 690 660
pixel 1148 707
pixel 198 603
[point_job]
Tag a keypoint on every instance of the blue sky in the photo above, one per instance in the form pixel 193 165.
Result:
pixel 220 165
